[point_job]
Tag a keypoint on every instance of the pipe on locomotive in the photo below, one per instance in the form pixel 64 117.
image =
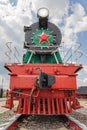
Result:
pixel 43 14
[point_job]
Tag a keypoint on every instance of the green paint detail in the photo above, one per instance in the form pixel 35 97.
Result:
pixel 36 40
pixel 58 57
pixel 34 59
pixel 26 57
pixel 37 59
pixel 52 59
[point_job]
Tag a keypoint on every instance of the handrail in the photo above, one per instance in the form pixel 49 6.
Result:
pixel 12 53
pixel 73 53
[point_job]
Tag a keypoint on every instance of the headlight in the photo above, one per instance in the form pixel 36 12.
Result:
pixel 43 12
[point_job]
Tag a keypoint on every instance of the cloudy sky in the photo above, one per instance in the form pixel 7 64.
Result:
pixel 69 15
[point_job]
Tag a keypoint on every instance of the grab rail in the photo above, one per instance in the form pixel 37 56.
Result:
pixel 73 54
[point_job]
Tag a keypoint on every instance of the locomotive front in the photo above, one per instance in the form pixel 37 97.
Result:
pixel 42 84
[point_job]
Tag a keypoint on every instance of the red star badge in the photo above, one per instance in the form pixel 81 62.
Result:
pixel 43 38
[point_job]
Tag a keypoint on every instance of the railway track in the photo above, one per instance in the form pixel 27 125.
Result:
pixel 23 122
pixel 11 124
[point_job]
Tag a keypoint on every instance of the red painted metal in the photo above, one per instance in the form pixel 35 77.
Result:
pixel 59 99
pixel 74 126
pixel 13 126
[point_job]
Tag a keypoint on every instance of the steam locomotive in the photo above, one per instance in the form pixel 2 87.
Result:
pixel 42 84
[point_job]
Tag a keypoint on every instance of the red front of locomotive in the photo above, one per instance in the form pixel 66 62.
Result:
pixel 42 84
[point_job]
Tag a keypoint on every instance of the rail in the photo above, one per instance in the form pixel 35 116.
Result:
pixel 75 124
pixel 12 124
pixel 68 121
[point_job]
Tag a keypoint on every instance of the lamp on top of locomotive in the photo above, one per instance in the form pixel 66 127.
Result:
pixel 43 14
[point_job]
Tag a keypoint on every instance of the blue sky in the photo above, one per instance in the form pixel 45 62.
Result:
pixel 69 15
pixel 82 36
pixel 82 2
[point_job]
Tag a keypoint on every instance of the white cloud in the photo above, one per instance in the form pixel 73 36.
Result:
pixel 12 20
pixel 57 8
pixel 85 81
pixel 82 82
pixel 4 81
pixel 0 79
pixel 74 23
pixel 82 77
pixel 85 69
pixel 77 15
